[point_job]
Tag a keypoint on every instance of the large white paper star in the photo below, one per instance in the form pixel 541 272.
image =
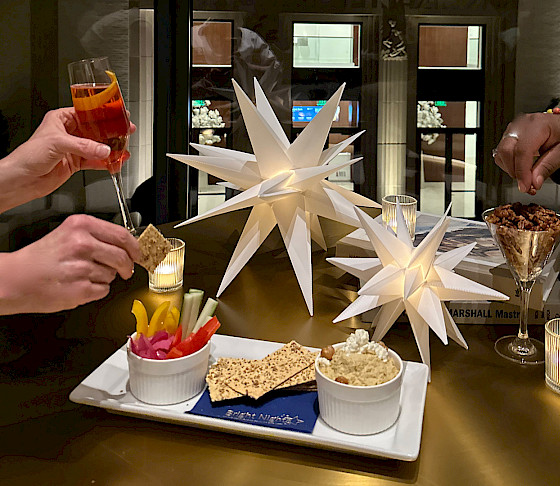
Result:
pixel 411 279
pixel 284 183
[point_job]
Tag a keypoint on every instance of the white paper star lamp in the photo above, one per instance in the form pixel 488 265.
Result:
pixel 283 182
pixel 411 279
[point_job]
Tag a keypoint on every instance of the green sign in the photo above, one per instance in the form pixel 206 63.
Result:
pixel 197 103
pixel 440 103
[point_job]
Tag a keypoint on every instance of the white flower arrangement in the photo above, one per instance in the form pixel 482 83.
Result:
pixel 208 137
pixel 203 117
pixel 428 116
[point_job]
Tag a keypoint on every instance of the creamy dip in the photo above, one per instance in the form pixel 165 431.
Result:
pixel 359 362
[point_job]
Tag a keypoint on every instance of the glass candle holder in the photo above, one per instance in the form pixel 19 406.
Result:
pixel 552 354
pixel 168 275
pixel 389 212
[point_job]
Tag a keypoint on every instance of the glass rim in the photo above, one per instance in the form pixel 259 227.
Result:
pixel 548 325
pixel 173 241
pixel 88 60
pixel 411 200
pixel 489 211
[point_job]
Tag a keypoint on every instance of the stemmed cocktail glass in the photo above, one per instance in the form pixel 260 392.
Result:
pixel 526 253
pixel 102 116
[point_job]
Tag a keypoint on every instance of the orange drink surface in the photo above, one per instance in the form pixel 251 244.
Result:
pixel 102 117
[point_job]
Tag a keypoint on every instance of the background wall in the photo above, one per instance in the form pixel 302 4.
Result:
pixel 538 48
pixel 15 69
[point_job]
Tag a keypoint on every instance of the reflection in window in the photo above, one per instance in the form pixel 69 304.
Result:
pixel 211 43
pixel 347 114
pixel 326 45
pixel 342 177
pixel 463 175
pixel 450 47
pixel 453 114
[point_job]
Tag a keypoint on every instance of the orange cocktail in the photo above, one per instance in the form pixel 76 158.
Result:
pixel 102 117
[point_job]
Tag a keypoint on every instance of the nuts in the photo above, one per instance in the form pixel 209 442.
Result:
pixel 530 217
pixel 342 379
pixel 328 353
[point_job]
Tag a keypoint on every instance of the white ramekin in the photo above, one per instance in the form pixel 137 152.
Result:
pixel 359 410
pixel 167 381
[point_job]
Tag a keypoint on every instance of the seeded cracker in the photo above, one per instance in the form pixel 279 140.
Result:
pixel 154 248
pixel 266 374
pixel 217 378
pixel 301 380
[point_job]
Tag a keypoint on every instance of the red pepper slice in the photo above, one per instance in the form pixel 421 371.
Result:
pixel 177 337
pixel 195 341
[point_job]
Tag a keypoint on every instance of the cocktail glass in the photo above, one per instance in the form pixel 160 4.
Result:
pixel 526 253
pixel 102 117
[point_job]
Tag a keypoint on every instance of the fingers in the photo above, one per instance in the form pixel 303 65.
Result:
pixel 109 233
pixel 113 257
pixel 523 159
pixel 83 147
pixel 546 165
pixel 516 151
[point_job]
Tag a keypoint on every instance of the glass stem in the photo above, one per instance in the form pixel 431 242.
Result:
pixel 127 220
pixel 522 344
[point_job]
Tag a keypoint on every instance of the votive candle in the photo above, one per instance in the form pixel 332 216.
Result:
pixel 389 212
pixel 168 275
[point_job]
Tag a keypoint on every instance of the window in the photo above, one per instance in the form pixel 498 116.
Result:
pixel 326 45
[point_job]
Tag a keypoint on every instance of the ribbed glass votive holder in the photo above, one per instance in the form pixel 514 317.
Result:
pixel 168 275
pixel 552 354
pixel 389 212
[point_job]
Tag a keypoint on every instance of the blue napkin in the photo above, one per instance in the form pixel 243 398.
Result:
pixel 296 411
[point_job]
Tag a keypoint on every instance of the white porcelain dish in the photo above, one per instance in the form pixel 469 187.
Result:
pixel 359 410
pixel 167 381
pixel 108 387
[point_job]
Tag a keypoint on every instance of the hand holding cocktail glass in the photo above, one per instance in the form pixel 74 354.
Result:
pixel 102 117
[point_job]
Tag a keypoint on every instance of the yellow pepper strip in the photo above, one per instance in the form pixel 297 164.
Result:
pixel 98 100
pixel 141 315
pixel 158 318
pixel 170 322
pixel 176 316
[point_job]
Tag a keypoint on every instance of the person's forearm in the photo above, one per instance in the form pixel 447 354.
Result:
pixel 16 187
pixel 12 296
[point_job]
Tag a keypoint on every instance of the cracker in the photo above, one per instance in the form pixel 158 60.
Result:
pixel 218 376
pixel 304 377
pixel 154 247
pixel 274 369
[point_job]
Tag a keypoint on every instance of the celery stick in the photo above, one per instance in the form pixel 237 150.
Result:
pixel 196 300
pixel 196 291
pixel 207 312
pixel 186 312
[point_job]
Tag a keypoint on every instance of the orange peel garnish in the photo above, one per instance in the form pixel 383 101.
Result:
pixel 99 99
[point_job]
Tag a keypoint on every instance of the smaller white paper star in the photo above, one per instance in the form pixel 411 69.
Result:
pixel 411 279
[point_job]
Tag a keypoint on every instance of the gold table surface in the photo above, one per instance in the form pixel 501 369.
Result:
pixel 487 421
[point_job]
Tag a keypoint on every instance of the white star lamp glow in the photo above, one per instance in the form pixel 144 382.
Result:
pixel 411 279
pixel 283 182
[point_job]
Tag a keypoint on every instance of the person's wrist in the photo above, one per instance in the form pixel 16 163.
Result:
pixel 11 297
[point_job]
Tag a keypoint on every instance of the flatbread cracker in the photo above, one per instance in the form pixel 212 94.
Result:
pixel 154 247
pixel 218 376
pixel 304 377
pixel 290 367
pixel 271 371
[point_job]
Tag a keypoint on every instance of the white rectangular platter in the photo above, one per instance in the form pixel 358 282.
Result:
pixel 107 387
